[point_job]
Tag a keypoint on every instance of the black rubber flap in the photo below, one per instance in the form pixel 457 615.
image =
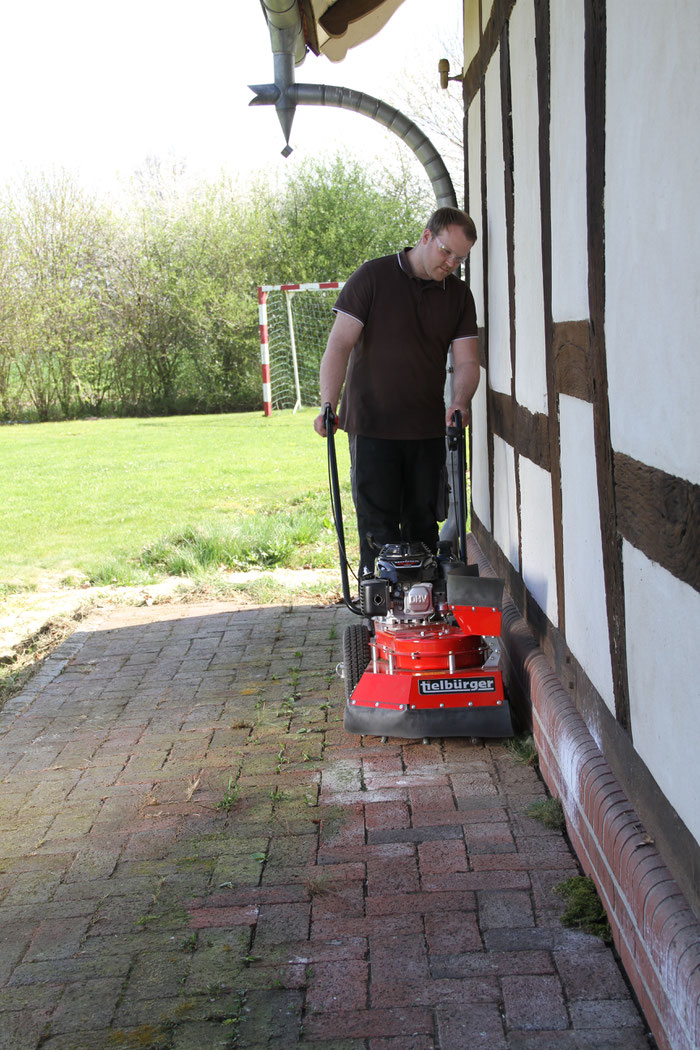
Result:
pixel 415 725
pixel 474 590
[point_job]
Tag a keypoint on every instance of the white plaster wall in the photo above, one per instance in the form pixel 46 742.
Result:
pixel 530 373
pixel 479 465
pixel 568 163
pixel 498 312
pixel 584 582
pixel 471 30
pixel 539 566
pixel 505 517
pixel 476 256
pixel 652 232
pixel 662 617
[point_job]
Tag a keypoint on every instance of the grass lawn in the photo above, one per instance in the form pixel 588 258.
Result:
pixel 91 496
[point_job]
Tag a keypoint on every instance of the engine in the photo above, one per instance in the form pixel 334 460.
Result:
pixel 408 585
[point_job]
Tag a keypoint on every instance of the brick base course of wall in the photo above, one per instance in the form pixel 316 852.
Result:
pixel 655 931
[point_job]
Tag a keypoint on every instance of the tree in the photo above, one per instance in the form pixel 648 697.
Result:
pixel 186 303
pixel 334 214
pixel 56 282
pixel 221 253
pixel 7 319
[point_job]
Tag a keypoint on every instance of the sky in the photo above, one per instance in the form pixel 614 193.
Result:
pixel 96 86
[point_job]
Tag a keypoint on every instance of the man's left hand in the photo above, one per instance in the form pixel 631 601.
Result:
pixel 466 415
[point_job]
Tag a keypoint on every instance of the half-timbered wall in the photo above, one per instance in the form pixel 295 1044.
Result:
pixel 582 159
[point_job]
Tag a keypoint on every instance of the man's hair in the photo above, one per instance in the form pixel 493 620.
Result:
pixel 452 217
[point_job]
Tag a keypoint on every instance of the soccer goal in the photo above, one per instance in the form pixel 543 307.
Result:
pixel 295 320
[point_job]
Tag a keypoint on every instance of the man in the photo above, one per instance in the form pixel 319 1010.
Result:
pixel 395 320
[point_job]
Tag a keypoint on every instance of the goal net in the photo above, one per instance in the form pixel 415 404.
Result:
pixel 295 320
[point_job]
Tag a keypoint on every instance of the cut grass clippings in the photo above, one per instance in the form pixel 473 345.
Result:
pixel 14 676
pixel 263 589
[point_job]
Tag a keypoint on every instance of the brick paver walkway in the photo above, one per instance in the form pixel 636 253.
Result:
pixel 195 855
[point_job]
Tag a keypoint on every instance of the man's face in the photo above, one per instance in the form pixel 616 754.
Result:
pixel 445 252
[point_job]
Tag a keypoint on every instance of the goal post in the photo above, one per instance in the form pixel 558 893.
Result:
pixel 295 320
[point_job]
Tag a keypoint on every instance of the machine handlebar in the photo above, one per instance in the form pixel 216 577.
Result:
pixel 329 422
pixel 456 444
pixel 329 417
pixel 455 430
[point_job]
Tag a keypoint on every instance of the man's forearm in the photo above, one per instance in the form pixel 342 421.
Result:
pixel 334 363
pixel 331 377
pixel 345 332
pixel 465 377
pixel 465 383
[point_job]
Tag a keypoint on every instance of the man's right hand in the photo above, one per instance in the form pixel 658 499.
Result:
pixel 320 425
pixel 320 421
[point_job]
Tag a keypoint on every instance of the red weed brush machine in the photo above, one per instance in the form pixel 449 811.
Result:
pixel 425 660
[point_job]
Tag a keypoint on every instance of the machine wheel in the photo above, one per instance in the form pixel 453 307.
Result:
pixel 355 655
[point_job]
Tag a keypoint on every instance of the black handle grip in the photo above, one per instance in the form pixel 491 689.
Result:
pixel 455 430
pixel 456 444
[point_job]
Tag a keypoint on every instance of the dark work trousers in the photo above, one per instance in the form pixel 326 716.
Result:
pixel 396 486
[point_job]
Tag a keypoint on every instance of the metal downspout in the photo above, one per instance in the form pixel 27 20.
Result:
pixel 375 109
pixel 389 117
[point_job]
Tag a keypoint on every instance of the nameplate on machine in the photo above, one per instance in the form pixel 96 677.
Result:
pixel 430 686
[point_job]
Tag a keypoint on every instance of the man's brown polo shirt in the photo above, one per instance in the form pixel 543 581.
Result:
pixel 396 374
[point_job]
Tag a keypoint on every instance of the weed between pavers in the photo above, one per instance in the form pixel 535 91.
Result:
pixel 235 1019
pixel 230 797
pixel 584 910
pixel 168 911
pixel 189 944
pixel 549 811
pixel 524 750
pixel 286 708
